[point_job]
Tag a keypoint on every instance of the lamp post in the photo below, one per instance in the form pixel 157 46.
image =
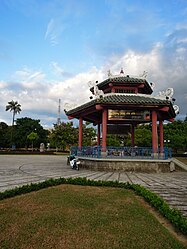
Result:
pixel 168 151
pixel 167 141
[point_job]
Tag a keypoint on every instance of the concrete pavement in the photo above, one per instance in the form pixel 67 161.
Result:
pixel 18 170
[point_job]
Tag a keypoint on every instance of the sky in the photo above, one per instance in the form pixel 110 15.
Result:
pixel 51 49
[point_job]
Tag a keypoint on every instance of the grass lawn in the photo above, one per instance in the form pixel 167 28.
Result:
pixel 69 216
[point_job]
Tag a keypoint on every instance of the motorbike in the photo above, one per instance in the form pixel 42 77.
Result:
pixel 74 162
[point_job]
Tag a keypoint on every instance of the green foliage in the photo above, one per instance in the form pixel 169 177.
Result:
pixel 143 136
pixel 32 137
pixel 173 215
pixel 113 140
pixel 176 133
pixel 25 126
pixel 15 107
pixel 4 135
pixel 89 133
pixel 63 135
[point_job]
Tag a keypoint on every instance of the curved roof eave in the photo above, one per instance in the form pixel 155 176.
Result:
pixel 123 99
pixel 124 79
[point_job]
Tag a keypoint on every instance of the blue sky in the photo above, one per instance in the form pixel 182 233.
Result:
pixel 50 49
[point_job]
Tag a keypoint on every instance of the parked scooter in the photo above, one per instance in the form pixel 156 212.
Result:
pixel 74 162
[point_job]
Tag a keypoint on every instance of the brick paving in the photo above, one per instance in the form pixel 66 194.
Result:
pixel 17 170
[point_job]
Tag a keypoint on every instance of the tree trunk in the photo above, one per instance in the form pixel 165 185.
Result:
pixel 12 142
pixel 13 118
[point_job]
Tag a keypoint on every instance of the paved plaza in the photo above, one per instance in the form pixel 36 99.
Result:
pixel 18 170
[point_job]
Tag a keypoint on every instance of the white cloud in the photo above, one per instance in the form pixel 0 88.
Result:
pixel 39 99
pixel 3 84
pixel 57 69
pixel 165 63
pixel 50 28
pixel 28 78
pixel 53 32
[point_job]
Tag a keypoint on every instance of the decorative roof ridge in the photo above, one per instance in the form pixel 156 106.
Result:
pixel 162 97
pixel 127 77
pixel 129 94
pixel 122 75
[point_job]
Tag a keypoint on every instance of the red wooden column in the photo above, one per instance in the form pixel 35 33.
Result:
pixel 98 134
pixel 154 132
pixel 104 128
pixel 132 135
pixel 80 131
pixel 161 136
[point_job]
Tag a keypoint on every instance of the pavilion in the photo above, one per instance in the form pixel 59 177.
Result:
pixel 122 102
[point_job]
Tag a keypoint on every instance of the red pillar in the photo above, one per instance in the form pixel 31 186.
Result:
pixel 161 136
pixel 132 135
pixel 154 132
pixel 104 127
pixel 80 131
pixel 98 134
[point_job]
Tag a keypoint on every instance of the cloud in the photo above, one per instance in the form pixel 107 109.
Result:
pixel 3 84
pixel 39 96
pixel 28 78
pixel 53 32
pixel 59 71
pixel 165 63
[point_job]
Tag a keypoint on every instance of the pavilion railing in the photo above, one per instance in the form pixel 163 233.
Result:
pixel 121 152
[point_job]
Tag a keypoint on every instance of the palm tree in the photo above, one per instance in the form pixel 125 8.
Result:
pixel 15 107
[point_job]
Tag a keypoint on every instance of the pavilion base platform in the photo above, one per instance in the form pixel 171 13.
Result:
pixel 129 165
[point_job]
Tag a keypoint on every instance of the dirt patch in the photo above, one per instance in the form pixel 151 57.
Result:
pixel 182 159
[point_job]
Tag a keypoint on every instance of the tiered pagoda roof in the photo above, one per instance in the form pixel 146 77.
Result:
pixel 124 81
pixel 107 96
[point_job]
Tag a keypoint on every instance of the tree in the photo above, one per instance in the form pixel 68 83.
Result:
pixel 32 137
pixel 176 133
pixel 63 135
pixel 113 140
pixel 4 135
pixel 24 126
pixel 89 134
pixel 143 136
pixel 15 107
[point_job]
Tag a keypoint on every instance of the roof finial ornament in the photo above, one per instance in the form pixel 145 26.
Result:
pixel 168 94
pixel 121 72
pixel 97 92
pixel 144 74
pixel 109 74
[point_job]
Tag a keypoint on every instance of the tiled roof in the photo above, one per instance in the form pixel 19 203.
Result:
pixel 125 80
pixel 113 99
pixel 133 99
pixel 122 79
